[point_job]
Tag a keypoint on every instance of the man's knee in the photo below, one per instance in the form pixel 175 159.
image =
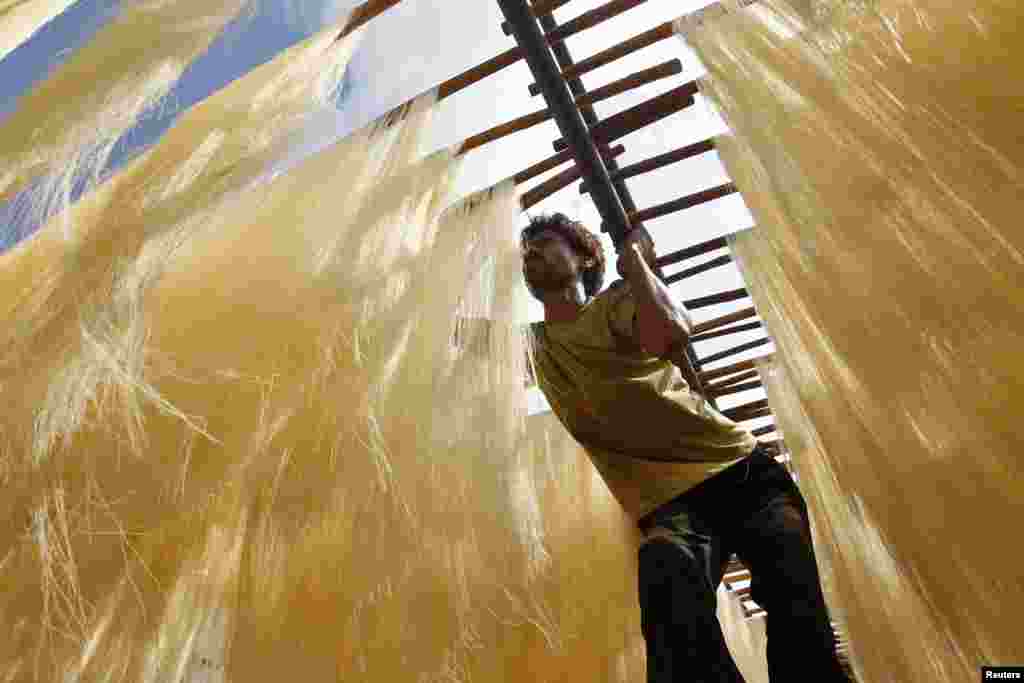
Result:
pixel 673 584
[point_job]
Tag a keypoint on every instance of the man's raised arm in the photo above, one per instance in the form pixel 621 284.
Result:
pixel 662 327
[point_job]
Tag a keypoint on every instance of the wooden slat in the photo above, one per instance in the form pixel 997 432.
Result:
pixel 639 116
pixel 725 331
pixel 763 412
pixel 734 350
pixel 723 320
pixel 364 13
pixel 691 252
pixel 761 431
pixel 735 389
pixel 749 364
pixel 741 377
pixel 744 411
pixel 503 130
pixel 635 80
pixel 555 183
pixel 698 269
pixel 591 19
pixel 719 298
pixel 478 73
pixel 682 203
pixel 543 166
pixel 660 161
pixel 637 42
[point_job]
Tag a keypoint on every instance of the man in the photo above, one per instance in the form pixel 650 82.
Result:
pixel 699 485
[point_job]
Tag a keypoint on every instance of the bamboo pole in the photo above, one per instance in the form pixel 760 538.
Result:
pixel 565 59
pixel 631 82
pixel 567 115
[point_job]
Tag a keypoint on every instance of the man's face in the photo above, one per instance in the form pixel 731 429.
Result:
pixel 549 262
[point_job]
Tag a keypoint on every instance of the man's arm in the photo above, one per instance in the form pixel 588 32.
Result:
pixel 661 327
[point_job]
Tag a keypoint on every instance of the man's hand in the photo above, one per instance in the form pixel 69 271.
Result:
pixel 636 243
pixel 661 326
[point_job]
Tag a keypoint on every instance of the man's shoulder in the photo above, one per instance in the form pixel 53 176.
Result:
pixel 613 293
pixel 618 287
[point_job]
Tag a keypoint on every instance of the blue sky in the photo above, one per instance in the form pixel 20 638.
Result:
pixel 257 35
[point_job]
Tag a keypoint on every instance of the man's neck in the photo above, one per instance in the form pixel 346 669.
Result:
pixel 564 306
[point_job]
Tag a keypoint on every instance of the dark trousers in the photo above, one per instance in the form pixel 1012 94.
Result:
pixel 754 509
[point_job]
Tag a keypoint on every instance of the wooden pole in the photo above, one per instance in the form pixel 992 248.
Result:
pixel 567 115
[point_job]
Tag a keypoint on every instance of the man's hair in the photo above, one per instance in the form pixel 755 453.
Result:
pixel 584 242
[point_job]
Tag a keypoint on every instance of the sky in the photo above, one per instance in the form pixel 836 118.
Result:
pixel 410 49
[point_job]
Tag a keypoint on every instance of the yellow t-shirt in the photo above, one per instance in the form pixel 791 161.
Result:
pixel 648 435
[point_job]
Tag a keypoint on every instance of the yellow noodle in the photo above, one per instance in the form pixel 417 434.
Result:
pixel 873 146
